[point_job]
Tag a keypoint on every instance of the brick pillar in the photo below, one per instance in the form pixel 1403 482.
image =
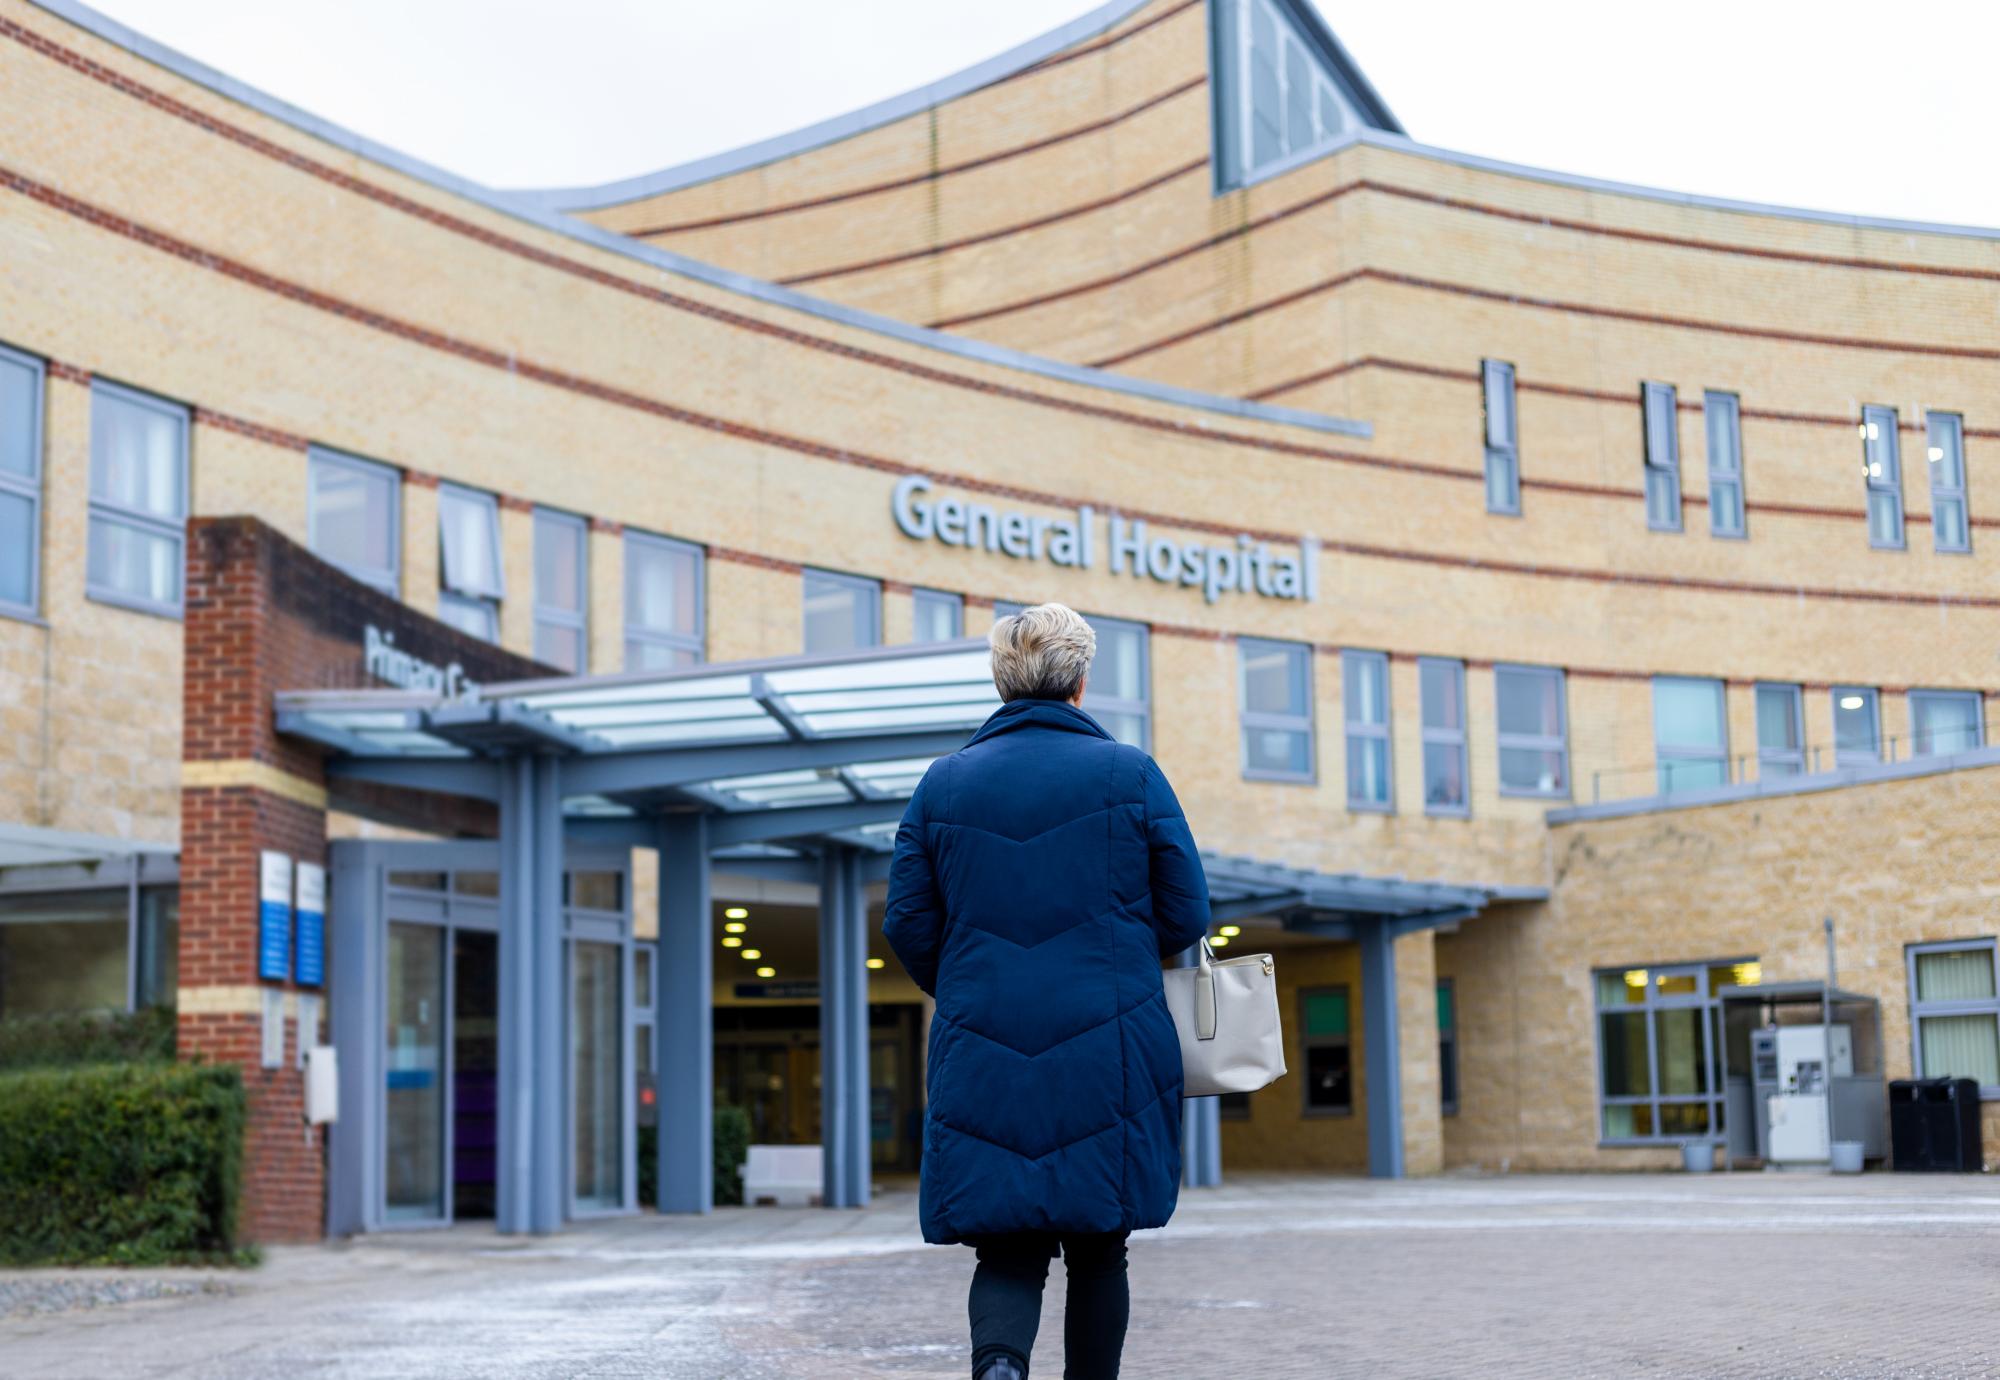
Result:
pixel 243 791
pixel 1417 1052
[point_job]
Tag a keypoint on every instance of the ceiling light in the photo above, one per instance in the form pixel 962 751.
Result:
pixel 730 941
pixel 767 972
pixel 753 953
pixel 1221 941
pixel 1851 701
pixel 878 963
pixel 1230 931
pixel 736 913
pixel 735 927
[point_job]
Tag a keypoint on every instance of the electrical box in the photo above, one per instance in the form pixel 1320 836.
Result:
pixel 322 1085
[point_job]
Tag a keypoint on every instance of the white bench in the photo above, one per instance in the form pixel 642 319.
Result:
pixel 787 1175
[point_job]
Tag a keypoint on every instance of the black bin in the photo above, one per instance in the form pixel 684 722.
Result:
pixel 1934 1125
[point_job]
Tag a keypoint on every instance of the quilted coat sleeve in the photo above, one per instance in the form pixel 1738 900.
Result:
pixel 1180 887
pixel 913 920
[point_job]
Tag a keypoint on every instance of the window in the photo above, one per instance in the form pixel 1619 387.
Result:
pixel 1663 456
pixel 1442 685
pixel 1857 726
pixel 469 538
pixel 1659 1042
pixel 1955 1012
pixel 138 499
pixel 1447 1047
pixel 354 517
pixel 843 612
pixel 1279 98
pixel 1503 448
pixel 1365 699
pixel 1690 734
pixel 1945 447
pixel 1329 1083
pixel 1275 685
pixel 1233 1106
pixel 939 617
pixel 1781 738
pixel 665 614
pixel 1722 417
pixel 1882 466
pixel 106 949
pixel 1534 748
pixel 562 584
pixel 1946 721
pixel 21 393
pixel 1119 692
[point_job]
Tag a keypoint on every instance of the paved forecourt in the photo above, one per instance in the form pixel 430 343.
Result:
pixel 1746 1275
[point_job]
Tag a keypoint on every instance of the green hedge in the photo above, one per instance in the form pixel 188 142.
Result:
pixel 35 1042
pixel 132 1164
pixel 732 1147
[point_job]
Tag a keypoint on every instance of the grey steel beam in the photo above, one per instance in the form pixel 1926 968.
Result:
pixel 1201 1125
pixel 762 826
pixel 532 1194
pixel 843 1030
pixel 634 831
pixel 802 870
pixel 1242 908
pixel 666 768
pixel 1384 1065
pixel 446 776
pixel 778 708
pixel 685 1027
pixel 552 1181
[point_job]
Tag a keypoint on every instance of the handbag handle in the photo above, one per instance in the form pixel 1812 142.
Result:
pixel 1204 992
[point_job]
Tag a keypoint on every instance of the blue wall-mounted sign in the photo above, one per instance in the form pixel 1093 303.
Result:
pixel 309 967
pixel 274 917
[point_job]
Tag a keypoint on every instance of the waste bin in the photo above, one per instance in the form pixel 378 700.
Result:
pixel 1934 1125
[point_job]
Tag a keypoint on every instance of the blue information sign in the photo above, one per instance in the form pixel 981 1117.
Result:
pixel 274 917
pixel 309 968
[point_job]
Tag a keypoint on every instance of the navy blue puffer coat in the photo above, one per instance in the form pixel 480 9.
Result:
pixel 1040 874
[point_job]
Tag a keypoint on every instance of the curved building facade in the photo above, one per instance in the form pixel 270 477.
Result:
pixel 1615 553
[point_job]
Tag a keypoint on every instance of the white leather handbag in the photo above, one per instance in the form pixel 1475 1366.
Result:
pixel 1226 1011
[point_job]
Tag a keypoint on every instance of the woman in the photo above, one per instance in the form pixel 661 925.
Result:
pixel 1040 874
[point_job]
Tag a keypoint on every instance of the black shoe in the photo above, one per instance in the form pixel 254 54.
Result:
pixel 1000 1368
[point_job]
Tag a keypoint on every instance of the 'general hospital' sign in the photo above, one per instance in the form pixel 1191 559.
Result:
pixel 1247 567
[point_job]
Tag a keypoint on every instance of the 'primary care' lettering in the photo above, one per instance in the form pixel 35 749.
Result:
pixel 1246 567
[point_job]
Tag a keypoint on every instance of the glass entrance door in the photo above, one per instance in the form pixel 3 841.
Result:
pixel 597 1073
pixel 413 1177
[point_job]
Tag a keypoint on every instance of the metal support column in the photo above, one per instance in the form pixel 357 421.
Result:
pixel 1201 1126
pixel 532 1009
pixel 1384 1065
pixel 684 1057
pixel 843 1030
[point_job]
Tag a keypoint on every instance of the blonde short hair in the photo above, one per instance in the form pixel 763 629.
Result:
pixel 1042 653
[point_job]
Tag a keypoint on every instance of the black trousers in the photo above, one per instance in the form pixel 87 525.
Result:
pixel 1006 1300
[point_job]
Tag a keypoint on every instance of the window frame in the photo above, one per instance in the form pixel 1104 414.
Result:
pixel 575 620
pixel 1978 700
pixel 937 598
pixel 318 458
pixel 1250 721
pixel 1446 737
pixel 1449 1091
pixel 871 590
pixel 1233 105
pixel 1663 753
pixel 1731 475
pixel 1797 756
pixel 1920 1010
pixel 1492 372
pixel 1844 757
pixel 1703 1000
pixel 1309 1042
pixel 29 487
pixel 1351 728
pixel 696 641
pixel 1888 486
pixel 104 510
pixel 1523 742
pixel 1948 493
pixel 1654 397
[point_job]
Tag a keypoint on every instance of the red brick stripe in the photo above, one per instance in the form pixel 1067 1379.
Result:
pixel 919 179
pixel 256 431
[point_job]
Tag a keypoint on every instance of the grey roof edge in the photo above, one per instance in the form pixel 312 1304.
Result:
pixel 743 285
pixel 838 127
pixel 1404 144
pixel 1839 779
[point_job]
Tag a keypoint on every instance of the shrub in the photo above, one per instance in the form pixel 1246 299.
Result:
pixel 120 1164
pixel 732 1147
pixel 33 1042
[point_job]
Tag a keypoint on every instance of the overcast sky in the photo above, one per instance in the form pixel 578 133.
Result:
pixel 1846 105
